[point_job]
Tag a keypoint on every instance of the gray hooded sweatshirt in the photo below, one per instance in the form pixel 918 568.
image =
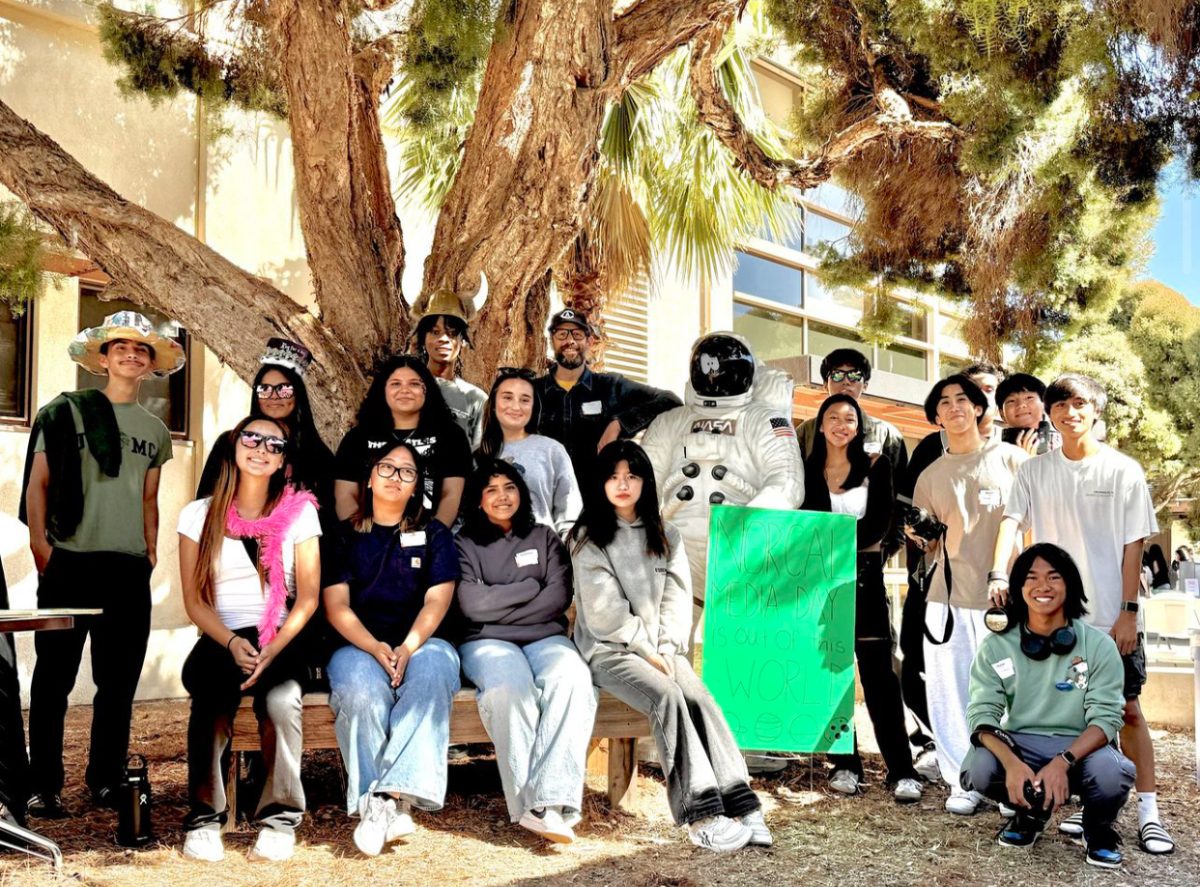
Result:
pixel 628 601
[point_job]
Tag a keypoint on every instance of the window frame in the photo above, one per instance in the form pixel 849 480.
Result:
pixel 24 417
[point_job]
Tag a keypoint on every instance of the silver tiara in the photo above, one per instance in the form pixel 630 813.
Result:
pixel 292 355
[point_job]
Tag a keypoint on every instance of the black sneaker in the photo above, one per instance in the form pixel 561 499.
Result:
pixel 1020 831
pixel 105 797
pixel 47 806
pixel 1102 850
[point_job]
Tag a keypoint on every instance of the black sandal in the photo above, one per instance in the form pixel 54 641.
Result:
pixel 1153 831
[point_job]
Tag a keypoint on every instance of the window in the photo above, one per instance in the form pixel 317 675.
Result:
pixel 772 335
pixel 823 229
pixel 913 323
pixel 823 338
pixel 817 294
pixel 14 364
pixel 902 360
pixel 950 327
pixel 951 365
pixel 165 398
pixel 769 280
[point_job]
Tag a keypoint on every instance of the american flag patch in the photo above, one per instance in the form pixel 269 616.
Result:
pixel 781 427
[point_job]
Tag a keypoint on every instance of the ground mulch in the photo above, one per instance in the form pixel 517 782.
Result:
pixel 820 838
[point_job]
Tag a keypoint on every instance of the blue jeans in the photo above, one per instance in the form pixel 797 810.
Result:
pixel 537 703
pixel 394 740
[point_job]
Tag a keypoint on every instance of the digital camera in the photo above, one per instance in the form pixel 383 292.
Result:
pixel 923 524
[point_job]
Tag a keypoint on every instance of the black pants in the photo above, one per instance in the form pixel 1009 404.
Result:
pixel 14 765
pixel 912 642
pixel 119 585
pixel 873 641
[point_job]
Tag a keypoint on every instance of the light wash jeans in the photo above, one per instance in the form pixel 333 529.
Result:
pixel 395 738
pixel 537 703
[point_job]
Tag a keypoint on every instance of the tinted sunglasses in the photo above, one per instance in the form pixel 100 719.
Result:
pixel 252 440
pixel 515 373
pixel 846 376
pixel 282 390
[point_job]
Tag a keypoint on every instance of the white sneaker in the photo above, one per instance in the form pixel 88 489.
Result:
pixel 963 803
pixel 907 790
pixel 760 835
pixel 570 818
pixel 719 834
pixel 1072 825
pixel 273 846
pixel 926 765
pixel 1009 812
pixel 765 763
pixel 375 815
pixel 549 825
pixel 844 781
pixel 402 824
pixel 204 844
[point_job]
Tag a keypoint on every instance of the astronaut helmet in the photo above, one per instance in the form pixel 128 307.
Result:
pixel 722 366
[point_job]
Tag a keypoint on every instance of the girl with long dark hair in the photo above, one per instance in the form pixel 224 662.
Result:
pixel 388 586
pixel 250 567
pixel 510 432
pixel 633 625
pixel 405 405
pixel 840 477
pixel 534 690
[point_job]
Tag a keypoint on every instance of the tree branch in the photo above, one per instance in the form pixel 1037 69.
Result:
pixel 894 121
pixel 647 33
pixel 229 310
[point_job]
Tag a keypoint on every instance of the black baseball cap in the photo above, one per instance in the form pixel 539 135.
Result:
pixel 570 315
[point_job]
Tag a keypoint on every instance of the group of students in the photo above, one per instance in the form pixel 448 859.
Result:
pixel 452 531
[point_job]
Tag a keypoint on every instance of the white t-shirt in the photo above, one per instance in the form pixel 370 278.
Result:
pixel 239 596
pixel 1092 508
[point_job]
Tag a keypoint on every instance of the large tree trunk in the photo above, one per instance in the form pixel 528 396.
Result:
pixel 232 312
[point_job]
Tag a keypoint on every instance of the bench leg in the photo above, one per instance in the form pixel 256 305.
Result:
pixel 231 783
pixel 622 773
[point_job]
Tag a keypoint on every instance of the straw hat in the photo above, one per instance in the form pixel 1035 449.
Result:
pixel 131 326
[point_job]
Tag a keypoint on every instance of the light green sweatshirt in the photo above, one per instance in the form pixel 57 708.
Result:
pixel 1058 696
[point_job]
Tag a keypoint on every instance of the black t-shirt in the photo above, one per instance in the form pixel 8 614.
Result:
pixel 443 449
pixel 390 572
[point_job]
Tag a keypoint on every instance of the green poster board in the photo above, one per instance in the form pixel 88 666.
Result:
pixel 779 627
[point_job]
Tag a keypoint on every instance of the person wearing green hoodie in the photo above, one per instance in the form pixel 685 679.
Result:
pixel 1045 707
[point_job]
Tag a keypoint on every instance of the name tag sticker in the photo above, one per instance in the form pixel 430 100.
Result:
pixel 592 408
pixel 411 540
pixel 1004 668
pixel 416 563
pixel 527 558
pixel 989 497
pixel 872 447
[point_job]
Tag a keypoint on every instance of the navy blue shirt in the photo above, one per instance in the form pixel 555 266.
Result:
pixel 389 573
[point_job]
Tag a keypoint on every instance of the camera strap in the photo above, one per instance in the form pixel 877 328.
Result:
pixel 1002 735
pixel 948 628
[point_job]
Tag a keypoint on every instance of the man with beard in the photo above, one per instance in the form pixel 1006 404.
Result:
pixel 583 410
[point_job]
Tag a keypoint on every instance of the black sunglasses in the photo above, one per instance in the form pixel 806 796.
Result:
pixel 281 390
pixel 515 373
pixel 252 440
pixel 844 375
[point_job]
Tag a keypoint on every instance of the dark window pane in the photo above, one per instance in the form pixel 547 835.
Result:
pixel 772 335
pixel 902 360
pixel 823 338
pixel 823 229
pixel 765 279
pixel 914 323
pixel 817 293
pixel 165 398
pixel 14 362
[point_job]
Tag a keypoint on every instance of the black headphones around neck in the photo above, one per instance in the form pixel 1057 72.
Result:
pixel 1039 647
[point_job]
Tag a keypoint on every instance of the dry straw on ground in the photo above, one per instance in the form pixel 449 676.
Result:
pixel 820 839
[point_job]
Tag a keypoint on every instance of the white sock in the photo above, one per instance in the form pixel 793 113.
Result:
pixel 1147 804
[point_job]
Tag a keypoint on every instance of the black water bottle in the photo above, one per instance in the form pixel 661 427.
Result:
pixel 133 811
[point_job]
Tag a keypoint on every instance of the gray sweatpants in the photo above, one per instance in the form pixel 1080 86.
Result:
pixel 1102 779
pixel 706 775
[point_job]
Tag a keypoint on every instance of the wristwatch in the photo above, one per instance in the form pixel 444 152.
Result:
pixel 1068 757
pixel 1129 606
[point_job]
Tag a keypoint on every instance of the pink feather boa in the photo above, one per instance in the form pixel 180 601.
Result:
pixel 270 531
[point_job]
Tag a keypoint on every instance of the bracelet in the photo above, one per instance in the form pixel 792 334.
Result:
pixel 997 576
pixel 232 638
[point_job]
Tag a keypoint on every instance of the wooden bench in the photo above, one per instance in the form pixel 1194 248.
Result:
pixel 614 740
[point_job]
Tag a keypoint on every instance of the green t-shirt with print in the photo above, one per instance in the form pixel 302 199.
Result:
pixel 112 506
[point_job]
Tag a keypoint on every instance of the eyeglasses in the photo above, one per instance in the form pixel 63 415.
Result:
pixel 515 373
pixel 282 390
pixel 387 470
pixel 846 376
pixel 252 440
pixel 415 385
pixel 563 335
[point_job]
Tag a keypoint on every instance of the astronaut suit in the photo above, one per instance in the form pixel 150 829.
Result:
pixel 732 442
